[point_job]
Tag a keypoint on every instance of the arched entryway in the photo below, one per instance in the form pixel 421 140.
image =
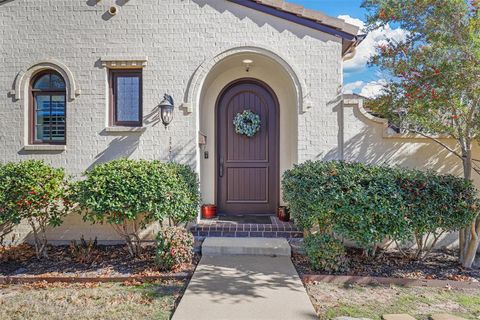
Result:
pixel 247 166
pixel 275 76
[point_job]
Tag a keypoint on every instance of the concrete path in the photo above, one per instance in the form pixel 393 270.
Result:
pixel 244 286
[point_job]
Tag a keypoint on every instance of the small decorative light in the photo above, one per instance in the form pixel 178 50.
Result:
pixel 166 109
pixel 247 63
pixel 113 10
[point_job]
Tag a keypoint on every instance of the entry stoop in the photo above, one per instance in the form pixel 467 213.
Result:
pixel 245 229
pixel 214 246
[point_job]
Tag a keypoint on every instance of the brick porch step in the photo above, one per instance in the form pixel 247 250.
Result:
pixel 215 228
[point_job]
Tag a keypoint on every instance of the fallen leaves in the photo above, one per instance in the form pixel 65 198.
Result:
pixel 43 285
pixel 103 262
pixel 441 265
pixel 20 253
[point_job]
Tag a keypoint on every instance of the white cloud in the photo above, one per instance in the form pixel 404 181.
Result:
pixel 353 86
pixel 367 48
pixel 373 88
pixel 370 89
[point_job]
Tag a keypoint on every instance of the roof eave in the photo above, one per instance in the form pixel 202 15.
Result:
pixel 349 46
pixel 295 16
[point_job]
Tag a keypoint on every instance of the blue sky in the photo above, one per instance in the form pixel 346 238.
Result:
pixel 358 77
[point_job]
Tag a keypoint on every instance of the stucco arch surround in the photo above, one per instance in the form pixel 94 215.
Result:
pixel 22 81
pixel 22 88
pixel 213 76
pixel 197 81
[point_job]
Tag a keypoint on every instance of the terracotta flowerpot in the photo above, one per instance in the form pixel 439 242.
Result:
pixel 283 214
pixel 209 211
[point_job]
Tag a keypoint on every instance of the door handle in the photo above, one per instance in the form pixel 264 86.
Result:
pixel 221 167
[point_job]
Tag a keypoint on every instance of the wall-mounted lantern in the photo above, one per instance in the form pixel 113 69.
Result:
pixel 166 109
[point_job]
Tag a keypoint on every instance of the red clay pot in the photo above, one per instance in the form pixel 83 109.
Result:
pixel 283 214
pixel 209 211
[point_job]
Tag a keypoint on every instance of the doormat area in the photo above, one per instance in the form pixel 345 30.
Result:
pixel 246 219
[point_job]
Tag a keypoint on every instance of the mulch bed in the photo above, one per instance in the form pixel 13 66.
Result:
pixel 440 265
pixel 104 262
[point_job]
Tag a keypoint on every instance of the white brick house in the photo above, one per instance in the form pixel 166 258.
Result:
pixel 277 59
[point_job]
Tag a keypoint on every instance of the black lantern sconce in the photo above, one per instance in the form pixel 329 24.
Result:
pixel 166 109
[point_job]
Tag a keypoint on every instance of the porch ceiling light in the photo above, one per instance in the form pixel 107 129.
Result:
pixel 166 109
pixel 247 64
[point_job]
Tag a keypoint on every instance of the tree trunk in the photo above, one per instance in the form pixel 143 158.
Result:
pixel 470 247
pixel 469 237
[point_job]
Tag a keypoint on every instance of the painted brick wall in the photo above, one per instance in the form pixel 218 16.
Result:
pixel 177 36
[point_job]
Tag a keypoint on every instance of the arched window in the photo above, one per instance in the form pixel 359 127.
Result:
pixel 47 108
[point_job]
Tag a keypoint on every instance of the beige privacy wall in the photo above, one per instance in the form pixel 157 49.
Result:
pixel 368 139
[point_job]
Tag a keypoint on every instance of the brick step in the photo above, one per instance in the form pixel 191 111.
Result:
pixel 277 229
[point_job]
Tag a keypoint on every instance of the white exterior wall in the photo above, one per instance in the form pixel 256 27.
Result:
pixel 177 36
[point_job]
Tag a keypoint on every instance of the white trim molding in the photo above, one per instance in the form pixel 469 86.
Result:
pixel 388 133
pixel 45 147
pixel 114 129
pixel 23 78
pixel 124 62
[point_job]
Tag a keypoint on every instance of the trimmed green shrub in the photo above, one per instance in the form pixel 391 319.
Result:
pixel 436 204
pixel 180 205
pixel 368 204
pixel 325 252
pixel 129 194
pixel 6 225
pixel 357 201
pixel 174 247
pixel 36 192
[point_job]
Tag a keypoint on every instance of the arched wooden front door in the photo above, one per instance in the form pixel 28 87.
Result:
pixel 247 167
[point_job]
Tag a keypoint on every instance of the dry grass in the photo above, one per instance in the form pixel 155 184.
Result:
pixel 89 301
pixel 333 300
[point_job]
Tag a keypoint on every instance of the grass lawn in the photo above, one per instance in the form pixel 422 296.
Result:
pixel 332 300
pixel 89 301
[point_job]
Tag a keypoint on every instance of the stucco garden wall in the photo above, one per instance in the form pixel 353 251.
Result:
pixel 368 139
pixel 176 38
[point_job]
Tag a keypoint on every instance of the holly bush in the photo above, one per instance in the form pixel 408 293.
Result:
pixel 174 247
pixel 325 252
pixel 368 204
pixel 129 194
pixel 436 204
pixel 6 225
pixel 37 193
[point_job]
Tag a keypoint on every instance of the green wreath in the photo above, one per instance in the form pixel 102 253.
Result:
pixel 247 123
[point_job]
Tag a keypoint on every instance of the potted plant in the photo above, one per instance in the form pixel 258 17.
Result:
pixel 283 214
pixel 209 211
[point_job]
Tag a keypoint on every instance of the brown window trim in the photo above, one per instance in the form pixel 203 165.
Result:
pixel 113 74
pixel 31 109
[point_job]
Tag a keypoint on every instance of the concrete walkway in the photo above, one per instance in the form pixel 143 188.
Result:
pixel 255 285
